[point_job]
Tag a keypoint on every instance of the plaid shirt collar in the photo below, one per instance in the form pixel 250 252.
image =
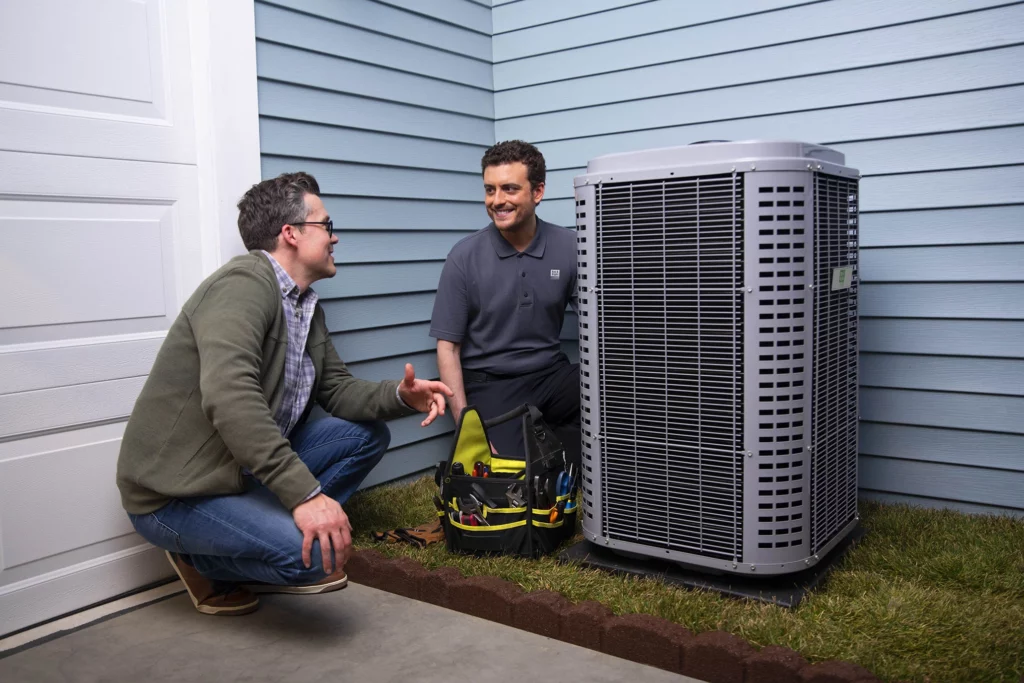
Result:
pixel 286 283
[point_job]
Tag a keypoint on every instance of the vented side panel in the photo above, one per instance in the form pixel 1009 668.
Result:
pixel 670 357
pixel 779 365
pixel 590 396
pixel 834 408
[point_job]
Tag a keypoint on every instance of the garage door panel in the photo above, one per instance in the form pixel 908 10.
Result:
pixel 66 90
pixel 31 367
pixel 67 507
pixel 75 285
pixel 106 228
pixel 95 247
pixel 67 407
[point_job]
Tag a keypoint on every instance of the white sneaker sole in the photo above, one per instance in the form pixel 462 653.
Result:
pixel 315 589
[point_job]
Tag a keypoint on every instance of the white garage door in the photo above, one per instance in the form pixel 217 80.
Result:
pixel 108 213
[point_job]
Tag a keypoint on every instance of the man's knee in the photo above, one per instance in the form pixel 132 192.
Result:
pixel 365 439
pixel 291 571
pixel 378 437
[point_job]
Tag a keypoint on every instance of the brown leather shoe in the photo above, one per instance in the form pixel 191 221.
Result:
pixel 334 582
pixel 205 597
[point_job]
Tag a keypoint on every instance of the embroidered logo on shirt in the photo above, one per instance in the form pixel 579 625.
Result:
pixel 555 273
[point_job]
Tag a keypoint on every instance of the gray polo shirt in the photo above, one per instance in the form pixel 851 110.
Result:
pixel 505 307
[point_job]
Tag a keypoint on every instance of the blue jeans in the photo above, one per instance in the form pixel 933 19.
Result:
pixel 251 536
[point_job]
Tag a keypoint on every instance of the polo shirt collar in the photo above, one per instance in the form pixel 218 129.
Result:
pixel 505 250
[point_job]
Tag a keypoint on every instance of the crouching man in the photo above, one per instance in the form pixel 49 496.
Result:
pixel 220 464
pixel 500 306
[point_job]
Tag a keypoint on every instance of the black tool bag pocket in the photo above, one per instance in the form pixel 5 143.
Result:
pixel 506 505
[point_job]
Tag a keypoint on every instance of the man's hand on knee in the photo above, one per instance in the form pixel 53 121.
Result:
pixel 322 518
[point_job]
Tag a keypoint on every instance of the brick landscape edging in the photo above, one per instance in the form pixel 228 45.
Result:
pixel 715 656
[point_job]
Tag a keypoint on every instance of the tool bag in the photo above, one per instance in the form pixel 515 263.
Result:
pixel 491 503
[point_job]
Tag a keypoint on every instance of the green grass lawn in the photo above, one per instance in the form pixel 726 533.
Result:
pixel 927 596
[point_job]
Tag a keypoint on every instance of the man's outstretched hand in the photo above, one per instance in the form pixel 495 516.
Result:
pixel 426 396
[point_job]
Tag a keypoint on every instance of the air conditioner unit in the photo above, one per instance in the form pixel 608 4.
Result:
pixel 718 353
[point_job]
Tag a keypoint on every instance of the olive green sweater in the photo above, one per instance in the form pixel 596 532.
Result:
pixel 207 408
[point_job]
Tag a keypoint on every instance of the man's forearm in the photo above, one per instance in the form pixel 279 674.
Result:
pixel 350 398
pixel 449 365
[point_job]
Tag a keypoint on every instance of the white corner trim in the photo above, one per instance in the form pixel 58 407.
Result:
pixel 223 47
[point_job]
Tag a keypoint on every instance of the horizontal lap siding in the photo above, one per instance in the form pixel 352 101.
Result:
pixel 926 99
pixel 390 105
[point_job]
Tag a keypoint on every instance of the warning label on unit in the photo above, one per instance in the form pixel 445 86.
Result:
pixel 842 278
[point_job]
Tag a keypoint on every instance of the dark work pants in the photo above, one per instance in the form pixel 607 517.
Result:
pixel 555 391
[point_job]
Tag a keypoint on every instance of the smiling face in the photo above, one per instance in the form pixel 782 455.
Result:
pixel 511 201
pixel 315 248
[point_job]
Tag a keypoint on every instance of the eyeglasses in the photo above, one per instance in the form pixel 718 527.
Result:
pixel 328 225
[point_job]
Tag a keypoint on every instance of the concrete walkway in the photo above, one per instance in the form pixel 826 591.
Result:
pixel 357 634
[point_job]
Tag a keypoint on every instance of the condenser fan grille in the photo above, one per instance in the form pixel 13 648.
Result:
pixel 670 354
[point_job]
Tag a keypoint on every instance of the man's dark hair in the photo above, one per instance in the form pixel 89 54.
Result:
pixel 511 151
pixel 268 205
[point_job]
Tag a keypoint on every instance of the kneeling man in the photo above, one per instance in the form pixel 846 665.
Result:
pixel 501 303
pixel 220 464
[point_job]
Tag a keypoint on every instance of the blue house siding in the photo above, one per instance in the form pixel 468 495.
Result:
pixel 925 98
pixel 392 103
pixel 390 109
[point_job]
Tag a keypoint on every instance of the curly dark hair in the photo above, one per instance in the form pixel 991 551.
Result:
pixel 265 208
pixel 511 151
